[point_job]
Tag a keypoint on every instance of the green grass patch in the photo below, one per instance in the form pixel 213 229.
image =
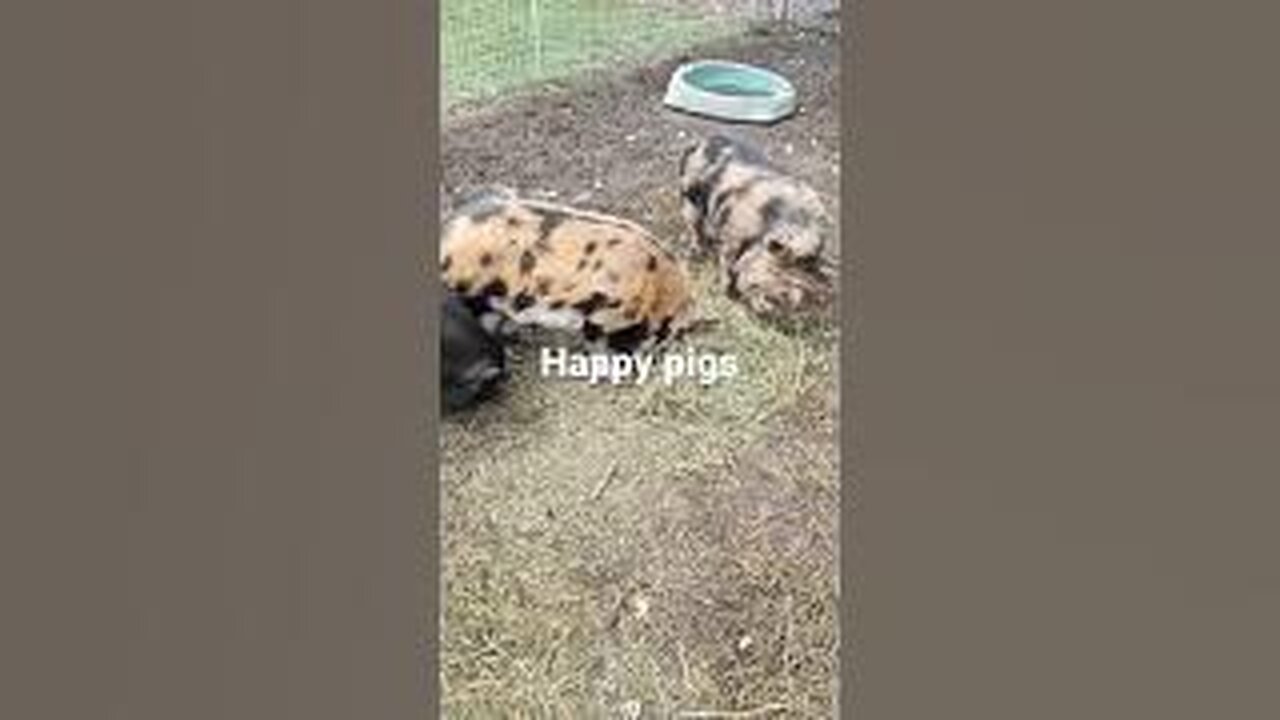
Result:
pixel 490 46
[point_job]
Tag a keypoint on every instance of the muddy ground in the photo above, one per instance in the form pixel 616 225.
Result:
pixel 647 551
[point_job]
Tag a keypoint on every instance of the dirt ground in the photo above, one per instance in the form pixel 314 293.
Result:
pixel 648 551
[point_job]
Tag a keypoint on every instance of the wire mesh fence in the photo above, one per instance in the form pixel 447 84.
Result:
pixel 490 46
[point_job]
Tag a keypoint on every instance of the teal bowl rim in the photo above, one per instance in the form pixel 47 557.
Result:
pixel 684 95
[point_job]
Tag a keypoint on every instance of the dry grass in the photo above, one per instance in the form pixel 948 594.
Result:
pixel 667 546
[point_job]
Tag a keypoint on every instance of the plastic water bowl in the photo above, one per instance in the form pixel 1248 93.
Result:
pixel 731 91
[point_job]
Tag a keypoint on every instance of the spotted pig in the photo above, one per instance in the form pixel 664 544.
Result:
pixel 766 228
pixel 542 264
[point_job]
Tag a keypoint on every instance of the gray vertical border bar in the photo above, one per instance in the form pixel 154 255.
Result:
pixel 851 54
pixel 432 526
pixel 215 426
pixel 1067 392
